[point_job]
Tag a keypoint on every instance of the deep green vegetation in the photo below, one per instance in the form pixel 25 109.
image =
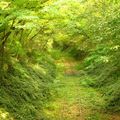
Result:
pixel 26 74
pixel 36 34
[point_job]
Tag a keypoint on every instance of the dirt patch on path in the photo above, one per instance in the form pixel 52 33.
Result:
pixel 72 112
pixel 69 66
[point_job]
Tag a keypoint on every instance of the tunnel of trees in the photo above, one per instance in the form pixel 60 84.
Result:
pixel 38 38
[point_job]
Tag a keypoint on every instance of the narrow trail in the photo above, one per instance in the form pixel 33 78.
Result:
pixel 76 102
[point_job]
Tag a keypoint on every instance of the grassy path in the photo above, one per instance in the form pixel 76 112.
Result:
pixel 75 101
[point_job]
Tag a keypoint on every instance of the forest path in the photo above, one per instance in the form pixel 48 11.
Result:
pixel 75 101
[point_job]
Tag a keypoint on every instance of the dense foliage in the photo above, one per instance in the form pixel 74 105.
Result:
pixel 34 32
pixel 26 74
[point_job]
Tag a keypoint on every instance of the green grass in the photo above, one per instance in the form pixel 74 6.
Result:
pixel 71 90
pixel 74 94
pixel 76 99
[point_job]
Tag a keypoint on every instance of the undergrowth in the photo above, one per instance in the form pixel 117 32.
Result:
pixel 103 74
pixel 26 89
